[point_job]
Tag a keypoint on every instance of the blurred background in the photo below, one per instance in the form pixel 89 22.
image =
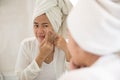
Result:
pixel 15 25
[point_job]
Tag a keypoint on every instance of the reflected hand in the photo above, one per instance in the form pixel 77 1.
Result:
pixel 46 48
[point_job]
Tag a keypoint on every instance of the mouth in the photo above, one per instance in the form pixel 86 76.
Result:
pixel 41 37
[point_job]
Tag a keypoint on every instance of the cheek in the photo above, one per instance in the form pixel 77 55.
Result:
pixel 76 55
pixel 50 28
pixel 35 31
pixel 77 58
pixel 72 48
pixel 75 52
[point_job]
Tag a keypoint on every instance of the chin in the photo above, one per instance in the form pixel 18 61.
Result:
pixel 40 40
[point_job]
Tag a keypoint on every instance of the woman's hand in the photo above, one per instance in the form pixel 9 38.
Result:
pixel 46 49
pixel 60 42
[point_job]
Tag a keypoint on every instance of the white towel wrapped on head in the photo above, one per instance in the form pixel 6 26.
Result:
pixel 56 11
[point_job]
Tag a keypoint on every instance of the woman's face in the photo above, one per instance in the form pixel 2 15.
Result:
pixel 41 26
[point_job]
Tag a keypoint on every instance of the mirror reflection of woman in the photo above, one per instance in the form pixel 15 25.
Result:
pixel 46 55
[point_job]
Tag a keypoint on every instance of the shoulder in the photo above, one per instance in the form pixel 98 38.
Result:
pixel 29 42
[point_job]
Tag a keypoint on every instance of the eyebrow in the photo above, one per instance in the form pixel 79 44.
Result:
pixel 42 23
pixel 35 23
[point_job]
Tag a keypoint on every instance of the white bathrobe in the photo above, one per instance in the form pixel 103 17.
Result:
pixel 106 68
pixel 27 68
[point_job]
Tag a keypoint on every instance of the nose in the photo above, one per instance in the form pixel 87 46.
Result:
pixel 40 29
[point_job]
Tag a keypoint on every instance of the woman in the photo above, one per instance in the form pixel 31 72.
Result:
pixel 94 42
pixel 45 56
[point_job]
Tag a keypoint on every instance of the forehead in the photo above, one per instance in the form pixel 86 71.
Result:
pixel 41 18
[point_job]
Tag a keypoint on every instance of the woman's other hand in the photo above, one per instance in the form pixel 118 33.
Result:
pixel 61 43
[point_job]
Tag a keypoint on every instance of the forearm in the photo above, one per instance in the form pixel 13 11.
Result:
pixel 39 61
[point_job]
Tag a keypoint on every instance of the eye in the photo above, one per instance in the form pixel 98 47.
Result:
pixel 36 25
pixel 45 25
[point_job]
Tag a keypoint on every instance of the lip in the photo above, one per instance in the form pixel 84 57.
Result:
pixel 41 37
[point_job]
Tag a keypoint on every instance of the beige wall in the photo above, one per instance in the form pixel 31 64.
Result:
pixel 15 25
